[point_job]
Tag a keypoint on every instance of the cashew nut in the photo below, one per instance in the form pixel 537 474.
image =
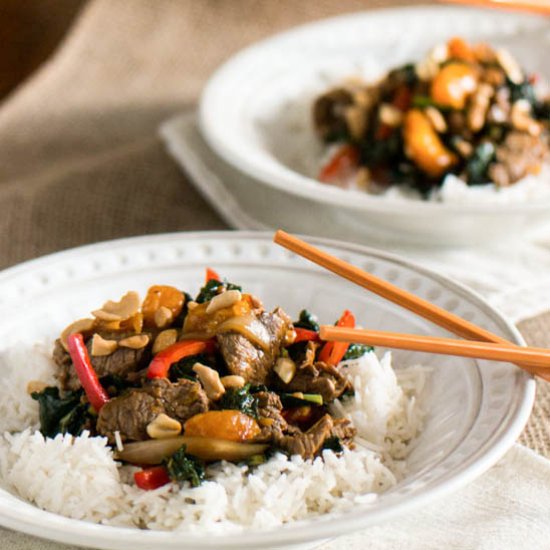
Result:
pixel 163 317
pixel 163 427
pixel 510 65
pixel 165 339
pixel 437 119
pixel 232 381
pixel 521 118
pixel 82 325
pixel 390 115
pixel 210 380
pixel 134 342
pixel 101 347
pixel 36 386
pixel 118 311
pixel 223 300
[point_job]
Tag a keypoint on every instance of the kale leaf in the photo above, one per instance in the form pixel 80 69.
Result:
pixel 116 384
pixel 307 320
pixel 178 321
pixel 184 367
pixel 523 90
pixel 240 399
pixel 405 74
pixel 183 467
pixel 478 164
pixel 357 350
pixel 212 288
pixel 67 414
pixel 334 444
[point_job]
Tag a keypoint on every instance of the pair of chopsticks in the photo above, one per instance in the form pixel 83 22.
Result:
pixel 479 343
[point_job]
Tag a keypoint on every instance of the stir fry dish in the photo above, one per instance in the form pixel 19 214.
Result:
pixel 466 109
pixel 175 383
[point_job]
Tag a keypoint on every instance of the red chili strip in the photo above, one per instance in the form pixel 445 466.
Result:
pixel 152 478
pixel 160 365
pixel 95 392
pixel 344 161
pixel 211 275
pixel 333 352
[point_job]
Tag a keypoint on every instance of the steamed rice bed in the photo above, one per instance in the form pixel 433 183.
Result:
pixel 77 476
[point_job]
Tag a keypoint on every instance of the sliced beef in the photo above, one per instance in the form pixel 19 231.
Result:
pixel 303 353
pixel 307 444
pixel 124 362
pixel 133 411
pixel 270 416
pixel 181 400
pixel 343 430
pixel 317 378
pixel 519 155
pixel 128 414
pixel 244 358
pixel 65 373
pixel 329 113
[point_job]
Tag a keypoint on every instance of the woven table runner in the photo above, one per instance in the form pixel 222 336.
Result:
pixel 536 435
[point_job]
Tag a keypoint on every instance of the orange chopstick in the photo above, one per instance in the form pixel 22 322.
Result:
pixel 449 321
pixel 536 6
pixel 534 357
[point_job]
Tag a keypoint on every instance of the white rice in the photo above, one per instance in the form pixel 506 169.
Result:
pixel 18 366
pixel 78 477
pixel 456 191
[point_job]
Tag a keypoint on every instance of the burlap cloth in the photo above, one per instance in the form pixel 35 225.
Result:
pixel 80 160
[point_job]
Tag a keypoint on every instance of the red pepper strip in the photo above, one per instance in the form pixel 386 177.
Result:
pixel 95 392
pixel 342 163
pixel 160 365
pixel 305 335
pixel 151 478
pixel 211 274
pixel 333 352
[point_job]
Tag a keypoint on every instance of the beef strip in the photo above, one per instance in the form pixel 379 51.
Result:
pixel 123 362
pixel 307 444
pixel 269 416
pixel 329 113
pixel 316 378
pixel 343 430
pixel 244 358
pixel 130 413
pixel 65 373
pixel 303 353
pixel 519 155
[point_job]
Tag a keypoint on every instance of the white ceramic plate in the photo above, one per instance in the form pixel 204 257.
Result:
pixel 255 114
pixel 476 409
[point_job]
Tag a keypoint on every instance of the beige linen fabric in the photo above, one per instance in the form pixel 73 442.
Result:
pixel 79 157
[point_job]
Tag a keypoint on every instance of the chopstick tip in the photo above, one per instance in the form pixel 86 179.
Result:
pixel 279 235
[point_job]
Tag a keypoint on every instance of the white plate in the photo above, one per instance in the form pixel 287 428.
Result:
pixel 255 113
pixel 476 409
